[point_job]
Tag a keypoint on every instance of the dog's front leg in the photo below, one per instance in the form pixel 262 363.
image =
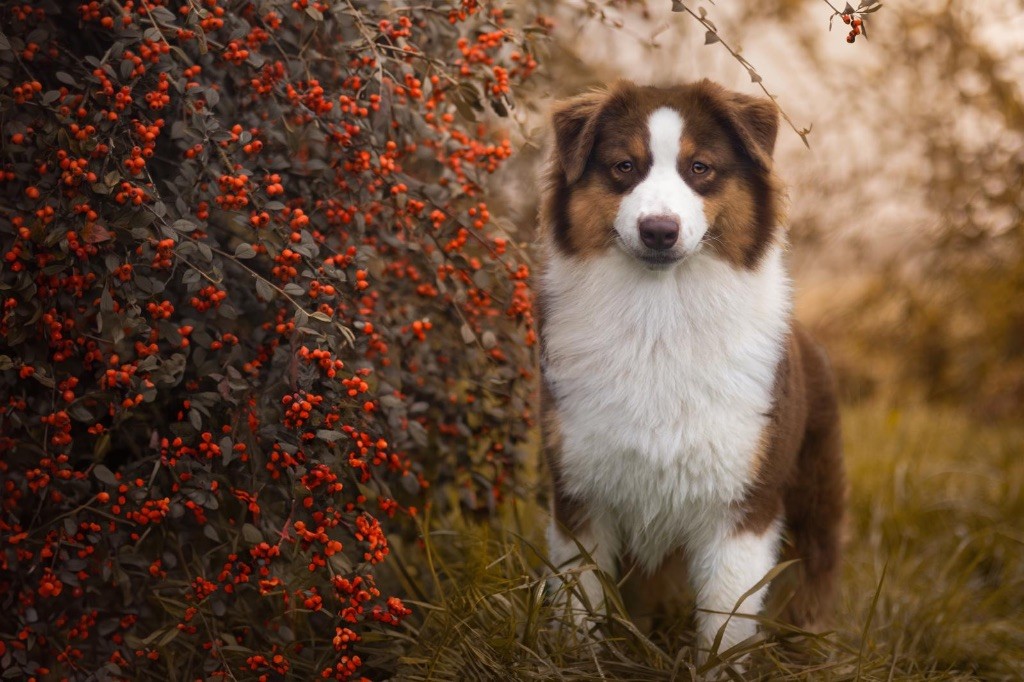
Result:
pixel 576 583
pixel 723 567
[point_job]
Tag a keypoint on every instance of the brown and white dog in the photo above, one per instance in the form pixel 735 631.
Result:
pixel 683 408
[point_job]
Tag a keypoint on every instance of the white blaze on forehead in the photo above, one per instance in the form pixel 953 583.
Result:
pixel 666 130
pixel 663 192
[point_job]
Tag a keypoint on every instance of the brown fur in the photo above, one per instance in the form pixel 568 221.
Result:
pixel 589 208
pixel 800 475
pixel 661 597
pixel 733 133
pixel 729 211
pixel 814 497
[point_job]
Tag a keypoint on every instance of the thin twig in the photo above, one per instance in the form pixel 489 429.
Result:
pixel 679 6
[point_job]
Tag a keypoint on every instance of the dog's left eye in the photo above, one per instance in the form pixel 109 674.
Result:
pixel 700 168
pixel 624 166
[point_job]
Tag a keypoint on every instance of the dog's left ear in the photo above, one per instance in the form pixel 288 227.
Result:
pixel 575 124
pixel 754 120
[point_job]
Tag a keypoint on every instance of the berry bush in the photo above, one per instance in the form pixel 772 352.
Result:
pixel 255 315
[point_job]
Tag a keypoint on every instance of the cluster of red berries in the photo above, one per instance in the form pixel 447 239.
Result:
pixel 856 26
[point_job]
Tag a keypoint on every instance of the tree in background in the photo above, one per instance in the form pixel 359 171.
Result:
pixel 255 311
pixel 960 300
pixel 937 191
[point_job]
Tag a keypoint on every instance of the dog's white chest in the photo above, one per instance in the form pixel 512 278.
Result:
pixel 663 382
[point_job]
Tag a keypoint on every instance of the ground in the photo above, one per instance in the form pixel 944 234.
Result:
pixel 933 582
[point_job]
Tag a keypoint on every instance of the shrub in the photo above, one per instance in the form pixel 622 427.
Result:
pixel 254 306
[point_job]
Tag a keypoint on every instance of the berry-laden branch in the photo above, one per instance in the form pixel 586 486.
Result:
pixel 185 185
pixel 854 18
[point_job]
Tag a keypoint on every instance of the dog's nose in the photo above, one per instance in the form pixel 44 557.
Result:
pixel 659 232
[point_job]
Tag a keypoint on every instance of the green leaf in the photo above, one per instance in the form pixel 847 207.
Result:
pixel 168 636
pixel 251 534
pixel 245 251
pixel 106 301
pixel 102 447
pixel 265 291
pixel 44 380
pixel 104 475
pixel 80 413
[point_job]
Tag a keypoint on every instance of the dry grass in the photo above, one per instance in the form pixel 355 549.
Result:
pixel 933 585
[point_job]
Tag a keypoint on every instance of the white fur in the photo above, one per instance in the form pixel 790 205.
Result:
pixel 663 191
pixel 722 573
pixel 663 381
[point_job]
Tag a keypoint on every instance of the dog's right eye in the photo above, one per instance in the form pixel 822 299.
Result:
pixel 624 166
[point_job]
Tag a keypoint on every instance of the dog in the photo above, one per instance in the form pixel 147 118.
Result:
pixel 683 409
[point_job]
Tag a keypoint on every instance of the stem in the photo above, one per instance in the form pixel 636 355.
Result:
pixel 802 132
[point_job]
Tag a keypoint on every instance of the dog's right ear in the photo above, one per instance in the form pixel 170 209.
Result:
pixel 575 124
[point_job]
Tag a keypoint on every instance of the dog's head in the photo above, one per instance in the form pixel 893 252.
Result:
pixel 662 173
